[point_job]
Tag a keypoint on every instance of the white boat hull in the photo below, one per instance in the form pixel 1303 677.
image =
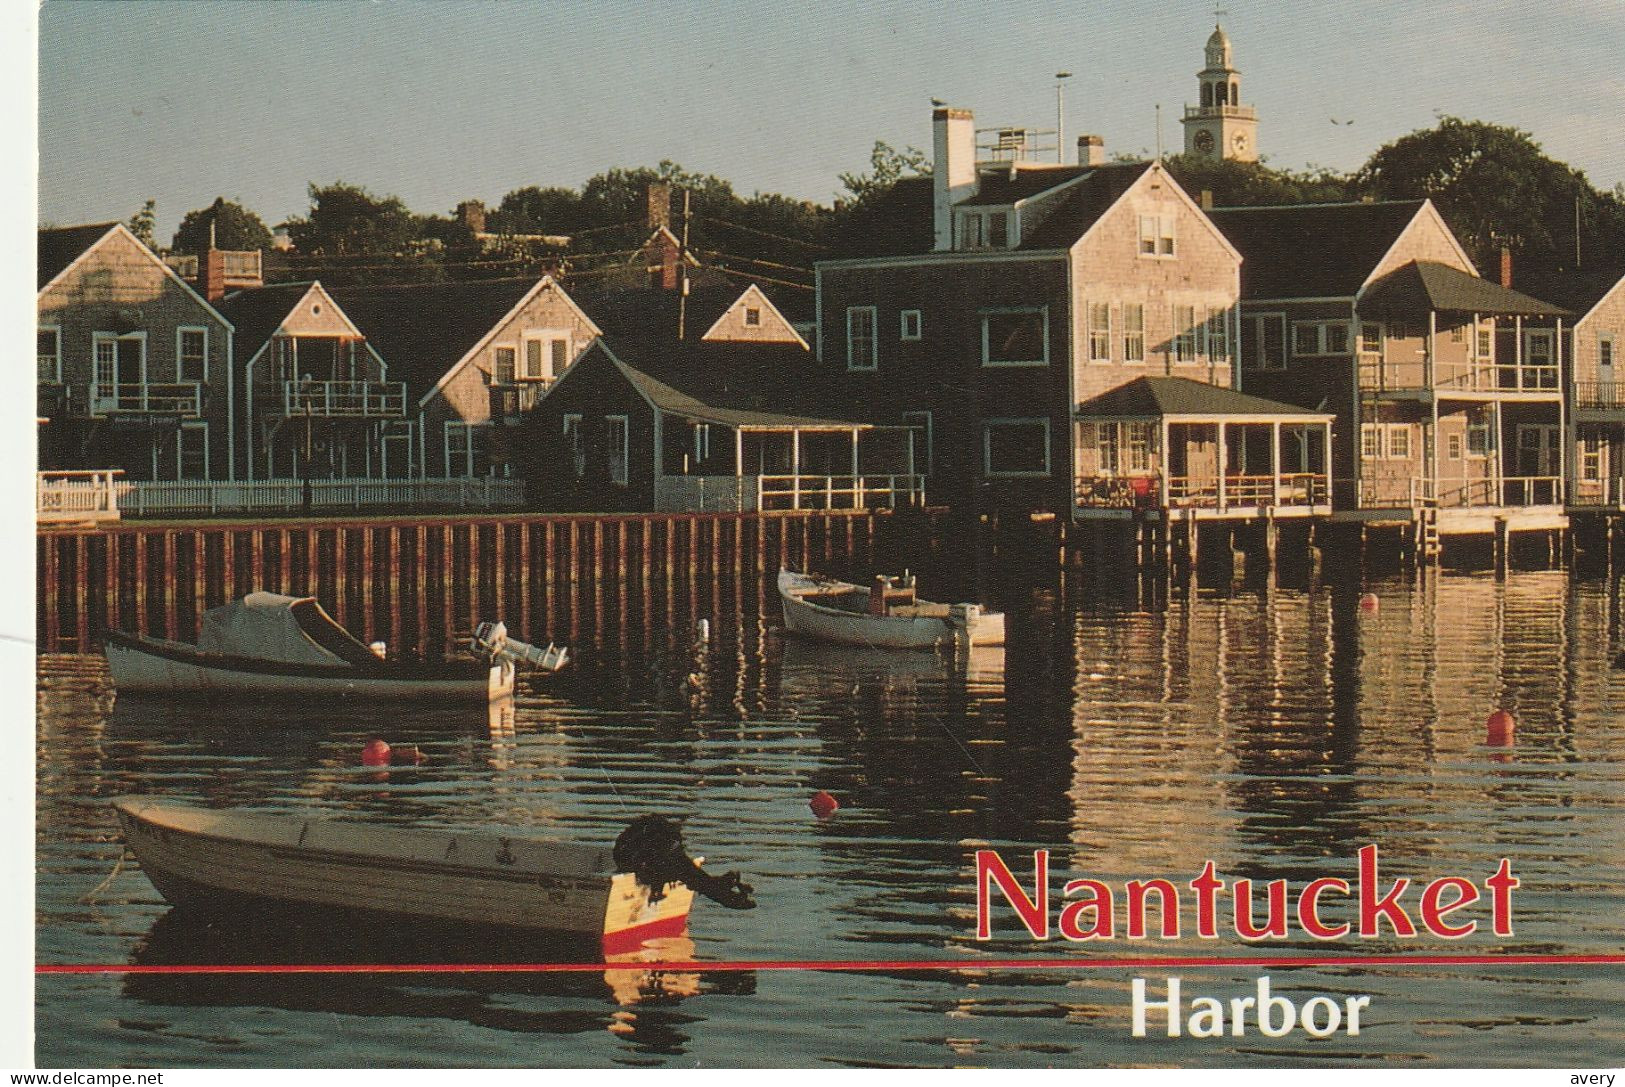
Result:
pixel 803 616
pixel 155 666
pixel 200 857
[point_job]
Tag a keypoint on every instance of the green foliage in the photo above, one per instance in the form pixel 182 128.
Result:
pixel 1252 184
pixel 533 210
pixel 887 166
pixel 347 219
pixel 235 227
pixel 142 222
pixel 1495 186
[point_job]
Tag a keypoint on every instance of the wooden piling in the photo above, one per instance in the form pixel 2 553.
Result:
pixel 50 590
pixel 81 576
pixel 112 578
pixel 168 586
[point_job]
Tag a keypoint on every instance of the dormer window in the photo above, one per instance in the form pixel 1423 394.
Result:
pixel 986 230
pixel 971 233
pixel 998 230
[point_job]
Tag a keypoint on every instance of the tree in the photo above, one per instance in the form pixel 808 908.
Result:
pixel 1252 184
pixel 887 166
pixel 1496 187
pixel 142 222
pixel 534 210
pixel 235 227
pixel 346 220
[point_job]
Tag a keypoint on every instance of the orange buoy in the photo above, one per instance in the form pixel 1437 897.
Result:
pixel 823 804
pixel 1499 729
pixel 376 753
pixel 1369 602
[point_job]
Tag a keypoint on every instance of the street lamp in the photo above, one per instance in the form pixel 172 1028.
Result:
pixel 1060 115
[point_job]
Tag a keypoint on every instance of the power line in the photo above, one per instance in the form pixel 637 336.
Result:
pixel 755 260
pixel 763 233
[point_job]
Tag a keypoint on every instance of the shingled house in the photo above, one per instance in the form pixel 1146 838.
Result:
pixel 1445 385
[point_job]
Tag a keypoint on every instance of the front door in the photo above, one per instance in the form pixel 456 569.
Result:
pixel 1539 449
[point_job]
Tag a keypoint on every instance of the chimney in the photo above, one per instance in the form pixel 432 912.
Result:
pixel 472 215
pixel 659 203
pixel 211 274
pixel 953 175
pixel 1506 267
pixel 1207 199
pixel 1091 151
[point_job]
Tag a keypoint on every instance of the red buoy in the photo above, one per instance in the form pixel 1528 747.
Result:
pixel 1499 729
pixel 1369 602
pixel 376 753
pixel 823 805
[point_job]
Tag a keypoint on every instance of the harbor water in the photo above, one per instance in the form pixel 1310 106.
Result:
pixel 1133 729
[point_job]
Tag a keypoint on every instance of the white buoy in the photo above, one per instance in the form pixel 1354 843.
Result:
pixel 702 630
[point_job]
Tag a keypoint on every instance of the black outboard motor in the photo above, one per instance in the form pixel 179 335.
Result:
pixel 651 848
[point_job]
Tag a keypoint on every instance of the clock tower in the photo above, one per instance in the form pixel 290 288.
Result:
pixel 1221 127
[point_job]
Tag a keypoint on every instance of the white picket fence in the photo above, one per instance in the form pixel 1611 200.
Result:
pixel 83 496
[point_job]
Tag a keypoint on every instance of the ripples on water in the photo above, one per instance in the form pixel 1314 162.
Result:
pixel 1272 731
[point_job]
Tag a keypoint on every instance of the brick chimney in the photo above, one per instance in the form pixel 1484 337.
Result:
pixel 953 175
pixel 659 204
pixel 1506 267
pixel 211 274
pixel 1091 151
pixel 472 215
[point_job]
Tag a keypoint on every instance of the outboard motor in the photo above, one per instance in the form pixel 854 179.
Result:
pixel 651 848
pixel 491 639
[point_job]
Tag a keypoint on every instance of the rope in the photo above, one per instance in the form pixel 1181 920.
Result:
pixel 111 876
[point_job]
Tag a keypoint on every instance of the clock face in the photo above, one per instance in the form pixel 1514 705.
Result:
pixel 1240 142
pixel 1204 142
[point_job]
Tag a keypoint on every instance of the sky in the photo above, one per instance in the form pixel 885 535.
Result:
pixel 442 101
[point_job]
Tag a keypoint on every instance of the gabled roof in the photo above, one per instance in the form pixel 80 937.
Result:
pixel 1429 285
pixel 1007 186
pixel 1155 397
pixel 1313 250
pixel 1576 291
pixel 61 246
pixel 421 330
pixel 651 312
pixel 669 399
pixel 1084 204
pixel 258 312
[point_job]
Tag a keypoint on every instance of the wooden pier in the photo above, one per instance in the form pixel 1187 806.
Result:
pixel 420 584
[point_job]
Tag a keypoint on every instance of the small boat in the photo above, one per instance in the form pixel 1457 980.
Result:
pixel 271 645
pixel 886 615
pixel 226 861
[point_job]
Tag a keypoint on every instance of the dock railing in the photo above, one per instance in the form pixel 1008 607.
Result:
pixel 103 495
pixel 1203 491
pixel 744 494
pixel 74 497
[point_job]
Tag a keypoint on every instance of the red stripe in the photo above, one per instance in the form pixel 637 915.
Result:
pixel 1155 963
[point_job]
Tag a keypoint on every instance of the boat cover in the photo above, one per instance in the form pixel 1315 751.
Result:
pixel 272 627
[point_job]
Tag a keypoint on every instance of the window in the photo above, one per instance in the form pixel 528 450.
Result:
pixel 1268 341
pixel 1537 347
pixel 573 447
pixel 998 230
pixel 1480 440
pixel 1015 447
pixel 1140 442
pixel 1106 448
pixel 970 232
pixel 619 451
pixel 192 451
pixel 1311 338
pixel 546 354
pixel 1100 331
pixel 1370 338
pixel 1218 336
pixel 1370 441
pixel 702 443
pixel 910 322
pixel 50 355
pixel 462 450
pixel 1457 333
pixel 502 365
pixel 1399 441
pixel 1184 334
pixel 1015 337
pixel 1486 345
pixel 192 355
pixel 1605 353
pixel 924 455
pixel 1590 459
pixel 753 317
pixel 1453 445
pixel 1134 332
pixel 862 350
pixel 1156 235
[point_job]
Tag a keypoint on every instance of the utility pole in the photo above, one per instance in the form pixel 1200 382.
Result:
pixel 1060 118
pixel 682 272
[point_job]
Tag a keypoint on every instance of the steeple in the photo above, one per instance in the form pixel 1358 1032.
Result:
pixel 1220 127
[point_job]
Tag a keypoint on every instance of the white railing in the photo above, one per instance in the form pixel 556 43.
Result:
pixel 743 494
pixel 172 398
pixel 1599 394
pixel 1412 493
pixel 323 399
pixel 325 495
pixel 1398 492
pixel 77 496
pixel 1608 491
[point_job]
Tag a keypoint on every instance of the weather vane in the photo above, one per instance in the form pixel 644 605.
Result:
pixel 1219 13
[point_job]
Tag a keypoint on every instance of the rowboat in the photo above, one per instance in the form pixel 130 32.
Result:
pixel 267 645
pixel 885 615
pixel 228 862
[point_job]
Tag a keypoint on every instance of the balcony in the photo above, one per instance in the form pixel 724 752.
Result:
pixel 1296 491
pixel 1600 395
pixel 344 399
pixel 746 494
pixel 181 398
pixel 510 403
pixel 1417 376
pixel 1445 494
pixel 1241 113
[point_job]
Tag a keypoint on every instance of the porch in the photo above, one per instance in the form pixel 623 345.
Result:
pixel 1167 445
pixel 743 462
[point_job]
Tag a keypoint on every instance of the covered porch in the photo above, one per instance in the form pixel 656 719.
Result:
pixel 1159 445
pixel 733 461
